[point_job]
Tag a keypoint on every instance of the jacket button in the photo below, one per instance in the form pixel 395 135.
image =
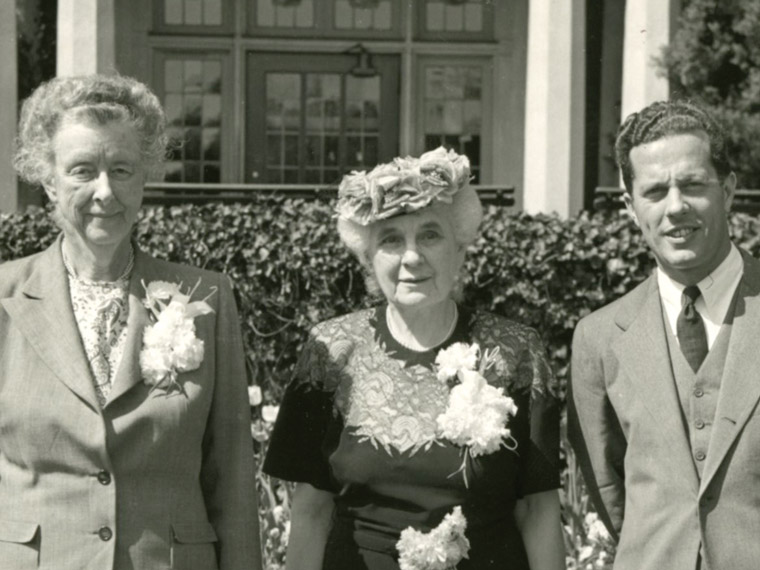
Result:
pixel 104 477
pixel 699 424
pixel 105 534
pixel 700 455
pixel 698 392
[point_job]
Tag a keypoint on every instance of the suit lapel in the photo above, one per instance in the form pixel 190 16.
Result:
pixel 45 317
pixel 128 372
pixel 740 386
pixel 642 351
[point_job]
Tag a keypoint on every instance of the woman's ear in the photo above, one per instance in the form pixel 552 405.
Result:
pixel 50 190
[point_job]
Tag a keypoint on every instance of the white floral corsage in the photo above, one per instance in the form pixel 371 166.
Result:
pixel 478 414
pixel 169 344
pixel 440 549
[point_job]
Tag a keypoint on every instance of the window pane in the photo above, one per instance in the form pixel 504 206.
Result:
pixel 212 110
pixel 193 12
pixel 193 106
pixel 211 173
pixel 265 13
pixel 192 146
pixel 212 76
pixel 473 18
pixel 173 171
pixel 173 12
pixel 362 15
pixel 173 109
pixel 212 12
pixel 211 144
pixel 193 75
pixel 454 110
pixel 173 76
pixel 434 17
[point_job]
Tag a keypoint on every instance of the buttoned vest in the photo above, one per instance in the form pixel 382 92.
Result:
pixel 698 392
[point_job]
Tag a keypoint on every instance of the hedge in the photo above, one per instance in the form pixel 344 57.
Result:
pixel 290 270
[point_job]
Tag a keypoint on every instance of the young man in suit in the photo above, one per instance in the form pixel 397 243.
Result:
pixel 663 410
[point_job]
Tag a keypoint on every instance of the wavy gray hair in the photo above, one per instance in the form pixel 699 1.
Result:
pixel 97 98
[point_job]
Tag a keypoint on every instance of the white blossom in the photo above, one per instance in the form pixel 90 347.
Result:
pixel 440 549
pixel 458 356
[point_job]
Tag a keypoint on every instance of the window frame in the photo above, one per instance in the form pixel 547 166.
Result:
pixel 227 133
pixel 324 22
pixel 424 35
pixel 485 63
pixel 226 28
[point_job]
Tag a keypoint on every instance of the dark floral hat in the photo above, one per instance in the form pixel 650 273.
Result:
pixel 402 186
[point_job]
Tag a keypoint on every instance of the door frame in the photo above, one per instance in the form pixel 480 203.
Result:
pixel 259 63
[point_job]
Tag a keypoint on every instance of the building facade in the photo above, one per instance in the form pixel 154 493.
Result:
pixel 301 91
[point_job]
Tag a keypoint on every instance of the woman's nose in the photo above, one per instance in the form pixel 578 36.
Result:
pixel 411 255
pixel 103 189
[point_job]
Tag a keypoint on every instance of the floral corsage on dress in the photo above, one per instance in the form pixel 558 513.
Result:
pixel 170 345
pixel 476 418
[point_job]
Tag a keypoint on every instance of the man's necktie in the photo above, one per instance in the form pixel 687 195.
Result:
pixel 691 330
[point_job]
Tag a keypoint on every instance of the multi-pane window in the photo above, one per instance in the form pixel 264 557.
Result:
pixel 312 127
pixel 363 14
pixel 193 16
pixel 193 12
pixel 325 18
pixel 455 19
pixel 453 96
pixel 285 13
pixel 193 102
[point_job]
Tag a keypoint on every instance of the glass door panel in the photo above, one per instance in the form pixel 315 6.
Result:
pixel 310 121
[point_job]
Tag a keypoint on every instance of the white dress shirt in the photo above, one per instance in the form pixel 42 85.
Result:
pixel 717 291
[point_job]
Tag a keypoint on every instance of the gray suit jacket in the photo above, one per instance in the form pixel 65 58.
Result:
pixel 152 480
pixel 625 425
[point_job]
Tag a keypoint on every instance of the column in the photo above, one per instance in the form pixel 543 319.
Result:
pixel 649 25
pixel 555 107
pixel 86 37
pixel 9 103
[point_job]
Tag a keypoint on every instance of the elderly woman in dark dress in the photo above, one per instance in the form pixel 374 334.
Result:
pixel 422 435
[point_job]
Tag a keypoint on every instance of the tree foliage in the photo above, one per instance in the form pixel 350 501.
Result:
pixel 714 59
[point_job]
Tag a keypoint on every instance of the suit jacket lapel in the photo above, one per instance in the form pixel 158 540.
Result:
pixel 643 355
pixel 45 317
pixel 740 386
pixel 128 373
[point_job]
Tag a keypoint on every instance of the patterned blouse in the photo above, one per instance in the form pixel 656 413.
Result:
pixel 101 309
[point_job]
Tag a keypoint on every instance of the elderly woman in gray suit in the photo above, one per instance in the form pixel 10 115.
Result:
pixel 124 423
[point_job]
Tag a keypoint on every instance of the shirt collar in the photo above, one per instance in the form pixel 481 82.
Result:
pixel 716 289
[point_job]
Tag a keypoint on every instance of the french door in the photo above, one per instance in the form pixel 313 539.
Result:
pixel 309 120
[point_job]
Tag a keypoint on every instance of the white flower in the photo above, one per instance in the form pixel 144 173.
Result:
pixel 477 415
pixel 163 290
pixel 440 549
pixel 170 345
pixel 254 395
pixel 585 553
pixel 155 364
pixel 597 532
pixel 458 356
pixel 269 413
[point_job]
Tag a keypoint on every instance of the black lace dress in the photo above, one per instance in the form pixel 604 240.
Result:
pixel 359 421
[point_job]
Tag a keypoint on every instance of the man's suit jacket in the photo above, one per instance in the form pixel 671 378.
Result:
pixel 153 480
pixel 626 426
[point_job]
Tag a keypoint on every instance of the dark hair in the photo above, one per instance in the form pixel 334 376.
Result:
pixel 98 98
pixel 662 119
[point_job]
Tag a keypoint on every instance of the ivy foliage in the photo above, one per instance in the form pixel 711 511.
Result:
pixel 714 58
pixel 290 271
